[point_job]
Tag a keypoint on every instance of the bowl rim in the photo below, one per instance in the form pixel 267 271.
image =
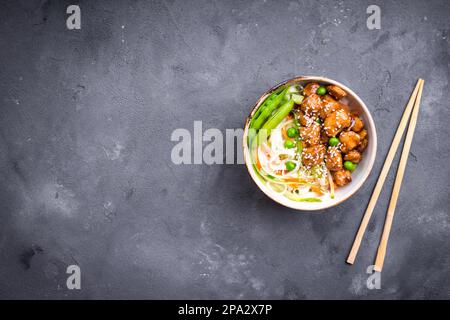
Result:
pixel 372 145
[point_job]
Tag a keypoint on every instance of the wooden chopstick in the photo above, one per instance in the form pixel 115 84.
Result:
pixel 397 184
pixel 383 174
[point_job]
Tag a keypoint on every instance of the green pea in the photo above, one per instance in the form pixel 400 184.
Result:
pixel 350 165
pixel 289 144
pixel 290 165
pixel 333 141
pixel 321 91
pixel 319 121
pixel 292 132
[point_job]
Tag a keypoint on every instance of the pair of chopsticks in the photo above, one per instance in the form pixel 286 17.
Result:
pixel 412 107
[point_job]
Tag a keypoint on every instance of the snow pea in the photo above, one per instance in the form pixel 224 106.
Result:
pixel 268 109
pixel 275 120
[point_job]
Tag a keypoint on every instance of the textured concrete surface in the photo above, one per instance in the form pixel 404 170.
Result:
pixel 86 174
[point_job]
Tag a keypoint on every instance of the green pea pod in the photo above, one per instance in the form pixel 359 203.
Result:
pixel 275 120
pixel 266 102
pixel 262 107
pixel 279 115
pixel 267 111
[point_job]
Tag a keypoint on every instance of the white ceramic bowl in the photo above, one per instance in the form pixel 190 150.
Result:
pixel 358 176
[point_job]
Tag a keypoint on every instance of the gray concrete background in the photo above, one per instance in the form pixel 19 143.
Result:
pixel 85 168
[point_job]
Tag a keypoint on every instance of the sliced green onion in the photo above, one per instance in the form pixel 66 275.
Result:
pixel 298 99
